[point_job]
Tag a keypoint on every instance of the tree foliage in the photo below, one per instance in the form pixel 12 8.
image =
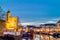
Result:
pixel 2 14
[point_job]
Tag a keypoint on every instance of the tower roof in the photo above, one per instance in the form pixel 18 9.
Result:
pixel 8 11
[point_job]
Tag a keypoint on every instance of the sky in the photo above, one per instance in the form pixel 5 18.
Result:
pixel 33 11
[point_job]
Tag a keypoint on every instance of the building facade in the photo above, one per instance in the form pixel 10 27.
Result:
pixel 11 22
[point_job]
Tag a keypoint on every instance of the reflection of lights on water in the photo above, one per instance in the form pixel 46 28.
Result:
pixel 23 39
pixel 26 39
pixel 37 38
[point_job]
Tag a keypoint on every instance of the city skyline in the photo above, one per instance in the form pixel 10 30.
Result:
pixel 33 11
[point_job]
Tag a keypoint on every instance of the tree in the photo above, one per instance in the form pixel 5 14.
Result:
pixel 2 16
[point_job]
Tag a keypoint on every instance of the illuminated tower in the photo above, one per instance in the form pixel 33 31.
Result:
pixel 11 22
pixel 8 15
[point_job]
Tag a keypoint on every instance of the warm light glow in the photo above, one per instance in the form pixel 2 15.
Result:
pixel 10 28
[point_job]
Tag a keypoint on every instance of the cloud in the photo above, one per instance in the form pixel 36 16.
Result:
pixel 28 23
pixel 51 22
pixel 56 19
pixel 37 23
pixel 31 23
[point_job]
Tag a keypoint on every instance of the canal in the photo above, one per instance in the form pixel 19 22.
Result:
pixel 42 37
pixel 37 37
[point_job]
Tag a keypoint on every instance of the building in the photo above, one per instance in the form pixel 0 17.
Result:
pixel 58 24
pixel 11 22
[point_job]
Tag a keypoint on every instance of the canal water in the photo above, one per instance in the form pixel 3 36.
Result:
pixel 37 37
pixel 45 37
pixel 40 37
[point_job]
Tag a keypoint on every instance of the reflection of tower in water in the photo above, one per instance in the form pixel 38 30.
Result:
pixel 11 22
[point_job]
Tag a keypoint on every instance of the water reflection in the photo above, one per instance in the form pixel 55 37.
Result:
pixel 45 37
pixel 37 37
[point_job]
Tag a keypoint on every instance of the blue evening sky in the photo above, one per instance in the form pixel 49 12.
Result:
pixel 37 11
